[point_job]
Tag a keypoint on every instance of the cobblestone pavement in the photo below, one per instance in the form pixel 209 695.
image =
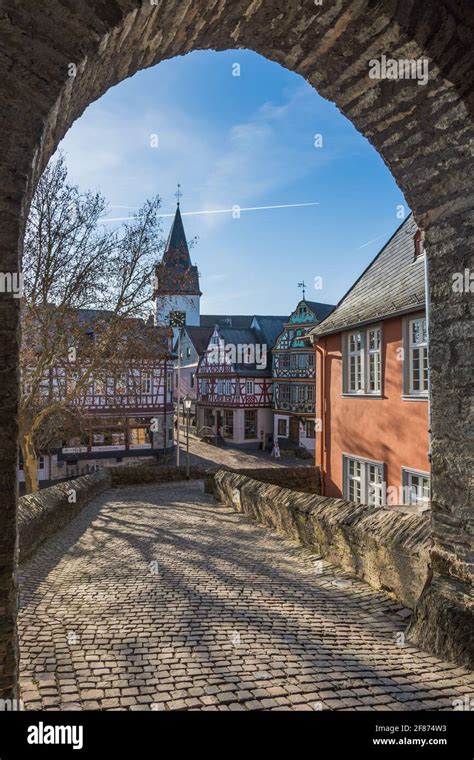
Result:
pixel 205 454
pixel 156 597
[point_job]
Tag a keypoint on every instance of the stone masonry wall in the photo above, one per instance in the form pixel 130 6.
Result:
pixel 423 133
pixel 304 479
pixel 43 513
pixel 388 549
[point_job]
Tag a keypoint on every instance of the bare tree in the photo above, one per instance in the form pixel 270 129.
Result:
pixel 86 296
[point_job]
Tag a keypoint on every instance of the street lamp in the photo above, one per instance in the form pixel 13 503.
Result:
pixel 187 406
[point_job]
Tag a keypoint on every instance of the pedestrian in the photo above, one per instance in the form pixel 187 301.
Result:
pixel 276 450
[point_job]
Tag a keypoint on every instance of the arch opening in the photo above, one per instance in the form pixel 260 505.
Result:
pixel 422 131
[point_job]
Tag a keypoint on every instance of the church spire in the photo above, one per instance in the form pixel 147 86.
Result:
pixel 175 273
pixel 176 250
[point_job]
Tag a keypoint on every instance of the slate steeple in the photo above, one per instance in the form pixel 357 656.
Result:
pixel 175 274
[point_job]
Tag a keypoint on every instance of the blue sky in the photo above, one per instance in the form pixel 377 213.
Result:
pixel 243 140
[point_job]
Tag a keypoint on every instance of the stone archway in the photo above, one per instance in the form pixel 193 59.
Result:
pixel 422 132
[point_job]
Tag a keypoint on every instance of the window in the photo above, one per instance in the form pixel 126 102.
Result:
pixel 228 388
pixel 362 358
pixel 417 359
pixel 176 380
pixel 228 429
pixel 250 423
pixel 284 393
pixel 249 388
pixel 418 239
pixel 192 380
pixel 208 418
pixel 282 428
pixel 310 429
pixel 284 361
pixel 416 487
pixel 188 352
pixel 363 481
pixel 146 382
pixel 121 383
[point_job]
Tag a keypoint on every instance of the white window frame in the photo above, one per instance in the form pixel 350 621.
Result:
pixel 407 482
pixel 372 493
pixel 363 359
pixel 410 347
pixel 250 387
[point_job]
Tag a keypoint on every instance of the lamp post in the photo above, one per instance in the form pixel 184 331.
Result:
pixel 187 406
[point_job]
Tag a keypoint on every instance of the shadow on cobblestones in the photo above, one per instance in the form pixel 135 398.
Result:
pixel 156 597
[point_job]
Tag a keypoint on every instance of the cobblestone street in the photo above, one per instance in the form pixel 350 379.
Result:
pixel 157 597
pixel 201 454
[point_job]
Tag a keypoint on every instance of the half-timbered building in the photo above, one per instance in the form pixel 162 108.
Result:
pixel 294 389
pixel 235 383
pixel 121 414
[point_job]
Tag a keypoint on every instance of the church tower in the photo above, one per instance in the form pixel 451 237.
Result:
pixel 177 294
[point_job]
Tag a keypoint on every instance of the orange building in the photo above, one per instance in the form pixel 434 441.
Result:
pixel 372 443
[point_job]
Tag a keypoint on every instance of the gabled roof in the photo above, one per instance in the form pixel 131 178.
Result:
pixel 239 337
pixel 200 337
pixel 393 283
pixel 270 328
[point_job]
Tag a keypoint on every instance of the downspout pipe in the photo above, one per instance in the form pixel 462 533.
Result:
pixel 427 317
pixel 322 410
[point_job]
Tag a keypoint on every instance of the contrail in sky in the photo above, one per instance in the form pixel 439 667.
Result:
pixel 212 211
pixel 369 242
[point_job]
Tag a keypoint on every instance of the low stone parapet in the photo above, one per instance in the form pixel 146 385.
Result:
pixel 304 479
pixel 386 548
pixel 43 513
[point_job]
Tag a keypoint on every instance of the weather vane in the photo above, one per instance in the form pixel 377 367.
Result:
pixel 178 194
pixel 302 285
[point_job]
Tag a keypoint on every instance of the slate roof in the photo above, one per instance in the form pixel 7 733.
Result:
pixel 200 337
pixel 177 242
pixel 226 320
pixel 239 336
pixel 271 328
pixel 321 310
pixel 175 273
pixel 393 283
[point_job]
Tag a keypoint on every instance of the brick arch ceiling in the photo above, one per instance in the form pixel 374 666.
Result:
pixel 422 132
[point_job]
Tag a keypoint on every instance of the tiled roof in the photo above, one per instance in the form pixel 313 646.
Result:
pixel 393 283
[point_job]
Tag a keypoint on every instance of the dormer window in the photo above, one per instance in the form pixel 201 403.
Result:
pixel 418 239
